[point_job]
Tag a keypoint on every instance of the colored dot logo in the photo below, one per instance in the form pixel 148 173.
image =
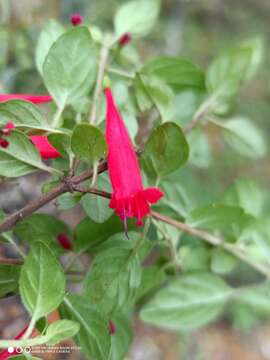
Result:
pixel 19 350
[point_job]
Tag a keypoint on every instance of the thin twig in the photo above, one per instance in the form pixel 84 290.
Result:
pixel 8 261
pixel 93 191
pixel 200 114
pixel 236 250
pixel 65 186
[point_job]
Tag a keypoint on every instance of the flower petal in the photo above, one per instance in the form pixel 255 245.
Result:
pixel 153 195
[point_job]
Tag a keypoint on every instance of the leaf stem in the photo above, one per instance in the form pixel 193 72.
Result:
pixel 30 328
pixel 9 238
pixel 200 113
pixel 57 117
pixel 121 73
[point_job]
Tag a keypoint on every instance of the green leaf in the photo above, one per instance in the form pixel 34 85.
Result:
pixel 61 330
pixel 256 297
pixel 227 73
pixel 246 194
pixel 152 277
pixel 176 72
pixel 69 69
pixel 9 277
pixel 20 157
pixel 37 225
pixel 42 281
pixel 165 150
pixel 114 277
pixel 121 340
pixel 188 302
pixel 244 137
pixel 257 47
pixel 214 216
pixel 151 90
pixel 200 152
pixel 89 234
pixel 88 143
pixel 68 201
pixel 244 318
pixel 47 37
pixel 61 142
pixel 96 207
pixel 93 336
pixel 136 17
pixel 194 258
pixel 222 262
pixel 23 113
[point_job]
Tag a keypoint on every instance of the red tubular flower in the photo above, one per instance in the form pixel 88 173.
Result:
pixel 35 99
pixel 76 19
pixel 111 327
pixel 129 198
pixel 124 39
pixel 47 151
pixel 6 353
pixel 65 242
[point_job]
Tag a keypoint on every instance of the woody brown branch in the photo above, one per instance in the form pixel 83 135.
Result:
pixel 65 186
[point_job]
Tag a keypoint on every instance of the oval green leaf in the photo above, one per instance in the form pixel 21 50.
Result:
pixel 42 281
pixel 187 302
pixel 165 151
pixel 88 143
pixel 69 69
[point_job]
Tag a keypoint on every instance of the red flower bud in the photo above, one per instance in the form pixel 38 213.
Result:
pixel 8 128
pixel 35 99
pixel 46 150
pixel 111 327
pixel 76 19
pixel 124 39
pixel 4 143
pixel 64 241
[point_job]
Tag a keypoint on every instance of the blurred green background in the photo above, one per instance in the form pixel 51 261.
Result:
pixel 194 29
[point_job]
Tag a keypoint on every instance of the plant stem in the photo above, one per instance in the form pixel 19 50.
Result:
pixel 38 340
pixel 104 53
pixel 8 261
pixel 30 328
pixel 66 186
pixel 200 113
pixel 236 250
pixel 57 117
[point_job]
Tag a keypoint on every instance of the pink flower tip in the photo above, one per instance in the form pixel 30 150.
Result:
pixel 8 128
pixel 124 39
pixel 4 143
pixel 64 241
pixel 46 150
pixel 111 327
pixel 76 19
